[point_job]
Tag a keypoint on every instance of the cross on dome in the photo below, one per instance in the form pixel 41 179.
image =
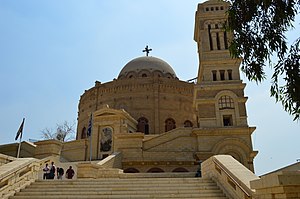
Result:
pixel 147 50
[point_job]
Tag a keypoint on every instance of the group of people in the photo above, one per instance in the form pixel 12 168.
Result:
pixel 50 171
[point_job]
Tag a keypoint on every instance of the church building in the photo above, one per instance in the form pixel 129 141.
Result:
pixel 149 134
pixel 158 122
pixel 163 124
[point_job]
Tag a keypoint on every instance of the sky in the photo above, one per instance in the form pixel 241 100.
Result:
pixel 53 50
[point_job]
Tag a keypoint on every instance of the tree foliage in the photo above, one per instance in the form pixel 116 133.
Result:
pixel 64 132
pixel 259 32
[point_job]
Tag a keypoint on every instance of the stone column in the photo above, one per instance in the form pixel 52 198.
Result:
pixel 221 38
pixel 214 40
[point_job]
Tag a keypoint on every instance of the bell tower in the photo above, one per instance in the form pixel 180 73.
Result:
pixel 219 93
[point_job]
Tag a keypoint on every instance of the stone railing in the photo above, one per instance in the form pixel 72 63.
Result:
pixel 19 173
pixel 230 175
pixel 16 175
pixel 165 137
pixel 109 167
pixel 4 159
pixel 112 161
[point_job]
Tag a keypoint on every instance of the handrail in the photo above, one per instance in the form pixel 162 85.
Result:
pixel 4 159
pixel 231 178
pixel 159 139
pixel 112 161
pixel 15 178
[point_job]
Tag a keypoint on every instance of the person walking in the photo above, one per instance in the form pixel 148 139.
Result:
pixel 70 173
pixel 52 171
pixel 46 171
pixel 60 173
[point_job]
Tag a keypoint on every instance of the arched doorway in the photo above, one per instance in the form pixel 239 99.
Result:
pixel 155 170
pixel 83 133
pixel 188 123
pixel 180 169
pixel 170 124
pixel 131 170
pixel 143 125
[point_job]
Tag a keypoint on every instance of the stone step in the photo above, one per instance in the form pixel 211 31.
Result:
pixel 117 188
pixel 124 192
pixel 60 182
pixel 122 188
pixel 139 196
pixel 117 184
pixel 149 180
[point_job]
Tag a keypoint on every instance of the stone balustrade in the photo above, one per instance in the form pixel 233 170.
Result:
pixel 4 159
pixel 108 167
pixel 230 175
pixel 18 173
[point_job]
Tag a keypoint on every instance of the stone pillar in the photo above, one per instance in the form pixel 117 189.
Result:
pixel 222 42
pixel 214 40
pixel 47 148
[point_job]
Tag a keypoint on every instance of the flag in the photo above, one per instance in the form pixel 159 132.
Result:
pixel 19 133
pixel 89 130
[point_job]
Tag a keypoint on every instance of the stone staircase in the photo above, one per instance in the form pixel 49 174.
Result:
pixel 122 188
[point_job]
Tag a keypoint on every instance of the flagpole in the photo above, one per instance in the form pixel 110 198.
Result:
pixel 90 148
pixel 18 155
pixel 90 129
pixel 20 133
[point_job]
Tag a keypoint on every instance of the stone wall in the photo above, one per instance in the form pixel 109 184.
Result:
pixel 156 99
pixel 282 184
pixel 75 150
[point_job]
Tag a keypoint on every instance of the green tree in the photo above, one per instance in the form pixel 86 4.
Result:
pixel 259 32
pixel 64 132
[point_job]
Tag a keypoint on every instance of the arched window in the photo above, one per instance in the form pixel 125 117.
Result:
pixel 131 75
pixel 143 125
pixel 155 170
pixel 188 123
pixel 131 170
pixel 210 37
pixel 229 72
pixel 225 40
pixel 214 75
pixel 226 102
pixel 144 75
pixel 180 169
pixel 83 133
pixel 222 74
pixel 169 124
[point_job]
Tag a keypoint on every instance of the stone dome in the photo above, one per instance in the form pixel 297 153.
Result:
pixel 147 64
